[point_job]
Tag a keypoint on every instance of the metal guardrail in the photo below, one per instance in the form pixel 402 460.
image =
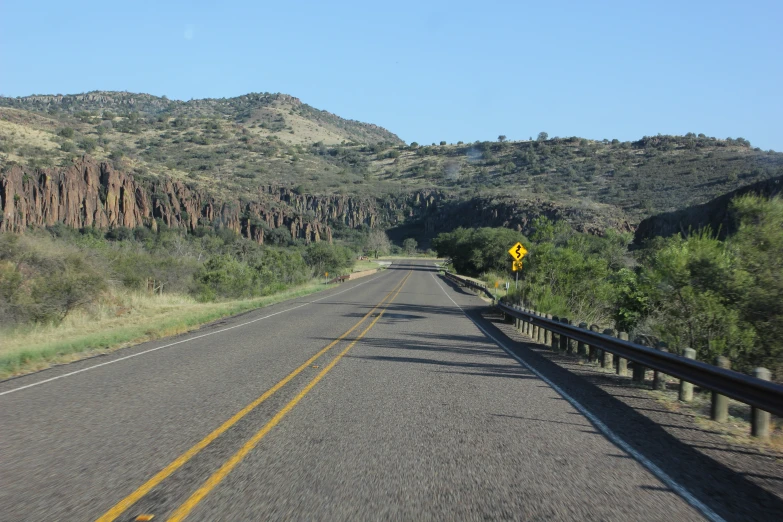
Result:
pixel 462 281
pixel 765 395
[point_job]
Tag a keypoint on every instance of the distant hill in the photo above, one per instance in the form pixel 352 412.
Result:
pixel 274 113
pixel 228 148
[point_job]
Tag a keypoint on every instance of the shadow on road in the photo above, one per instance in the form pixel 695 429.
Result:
pixel 729 493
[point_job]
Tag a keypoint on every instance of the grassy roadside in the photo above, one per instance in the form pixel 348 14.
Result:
pixel 122 319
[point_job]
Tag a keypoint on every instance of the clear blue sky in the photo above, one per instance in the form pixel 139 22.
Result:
pixel 428 71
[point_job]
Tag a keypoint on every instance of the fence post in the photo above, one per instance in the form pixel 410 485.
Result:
pixel 760 418
pixel 528 326
pixel 607 358
pixel 622 363
pixel 720 403
pixel 639 371
pixel 564 338
pixel 548 333
pixel 541 332
pixel 593 350
pixel 555 336
pixel 659 379
pixel 686 388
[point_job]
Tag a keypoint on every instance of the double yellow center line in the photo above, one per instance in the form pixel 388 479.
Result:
pixel 226 468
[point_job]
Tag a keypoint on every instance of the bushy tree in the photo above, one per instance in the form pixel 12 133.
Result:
pixel 324 257
pixel 409 245
pixel 473 251
pixel 377 243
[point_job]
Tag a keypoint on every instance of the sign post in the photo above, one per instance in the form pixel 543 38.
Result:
pixel 517 251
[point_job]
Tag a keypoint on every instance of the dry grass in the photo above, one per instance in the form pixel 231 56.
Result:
pixel 122 318
pixel 735 430
pixel 32 137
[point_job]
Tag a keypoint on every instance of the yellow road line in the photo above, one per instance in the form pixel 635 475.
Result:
pixel 119 508
pixel 185 509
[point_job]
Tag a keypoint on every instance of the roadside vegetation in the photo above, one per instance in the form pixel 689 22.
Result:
pixel 720 297
pixel 65 291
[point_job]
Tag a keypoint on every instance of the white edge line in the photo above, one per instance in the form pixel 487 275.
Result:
pixel 20 388
pixel 603 428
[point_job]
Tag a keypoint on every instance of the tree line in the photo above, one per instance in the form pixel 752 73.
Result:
pixel 720 297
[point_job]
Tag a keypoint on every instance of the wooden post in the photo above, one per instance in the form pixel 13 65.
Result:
pixel 548 333
pixel 607 358
pixel 759 418
pixel 581 347
pixel 564 338
pixel 527 323
pixel 555 336
pixel 622 363
pixel 593 350
pixel 534 330
pixel 659 379
pixel 541 332
pixel 639 371
pixel 720 403
pixel 686 388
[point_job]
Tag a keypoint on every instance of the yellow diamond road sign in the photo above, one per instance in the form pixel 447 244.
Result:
pixel 517 251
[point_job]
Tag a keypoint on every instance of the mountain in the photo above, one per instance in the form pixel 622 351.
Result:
pixel 238 151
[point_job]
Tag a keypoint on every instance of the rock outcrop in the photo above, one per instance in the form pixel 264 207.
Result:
pixel 715 213
pixel 92 194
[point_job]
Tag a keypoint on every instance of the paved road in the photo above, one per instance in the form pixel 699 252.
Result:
pixel 409 412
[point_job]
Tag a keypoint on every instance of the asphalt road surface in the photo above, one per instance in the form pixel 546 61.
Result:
pixel 379 399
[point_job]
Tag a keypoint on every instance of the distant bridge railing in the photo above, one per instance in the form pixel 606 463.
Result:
pixel 763 396
pixel 464 281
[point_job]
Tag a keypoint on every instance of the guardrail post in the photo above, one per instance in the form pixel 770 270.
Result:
pixel 555 336
pixel 572 349
pixel 523 324
pixel 639 371
pixel 541 332
pixel 622 363
pixel 607 358
pixel 686 388
pixel 564 338
pixel 581 347
pixel 527 324
pixel 534 328
pixel 659 379
pixel 548 333
pixel 594 352
pixel 720 403
pixel 760 418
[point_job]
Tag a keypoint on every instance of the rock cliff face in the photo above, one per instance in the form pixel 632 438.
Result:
pixel 90 194
pixel 715 213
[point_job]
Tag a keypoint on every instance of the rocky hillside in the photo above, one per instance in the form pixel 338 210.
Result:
pixel 92 194
pixel 715 214
pixel 233 150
